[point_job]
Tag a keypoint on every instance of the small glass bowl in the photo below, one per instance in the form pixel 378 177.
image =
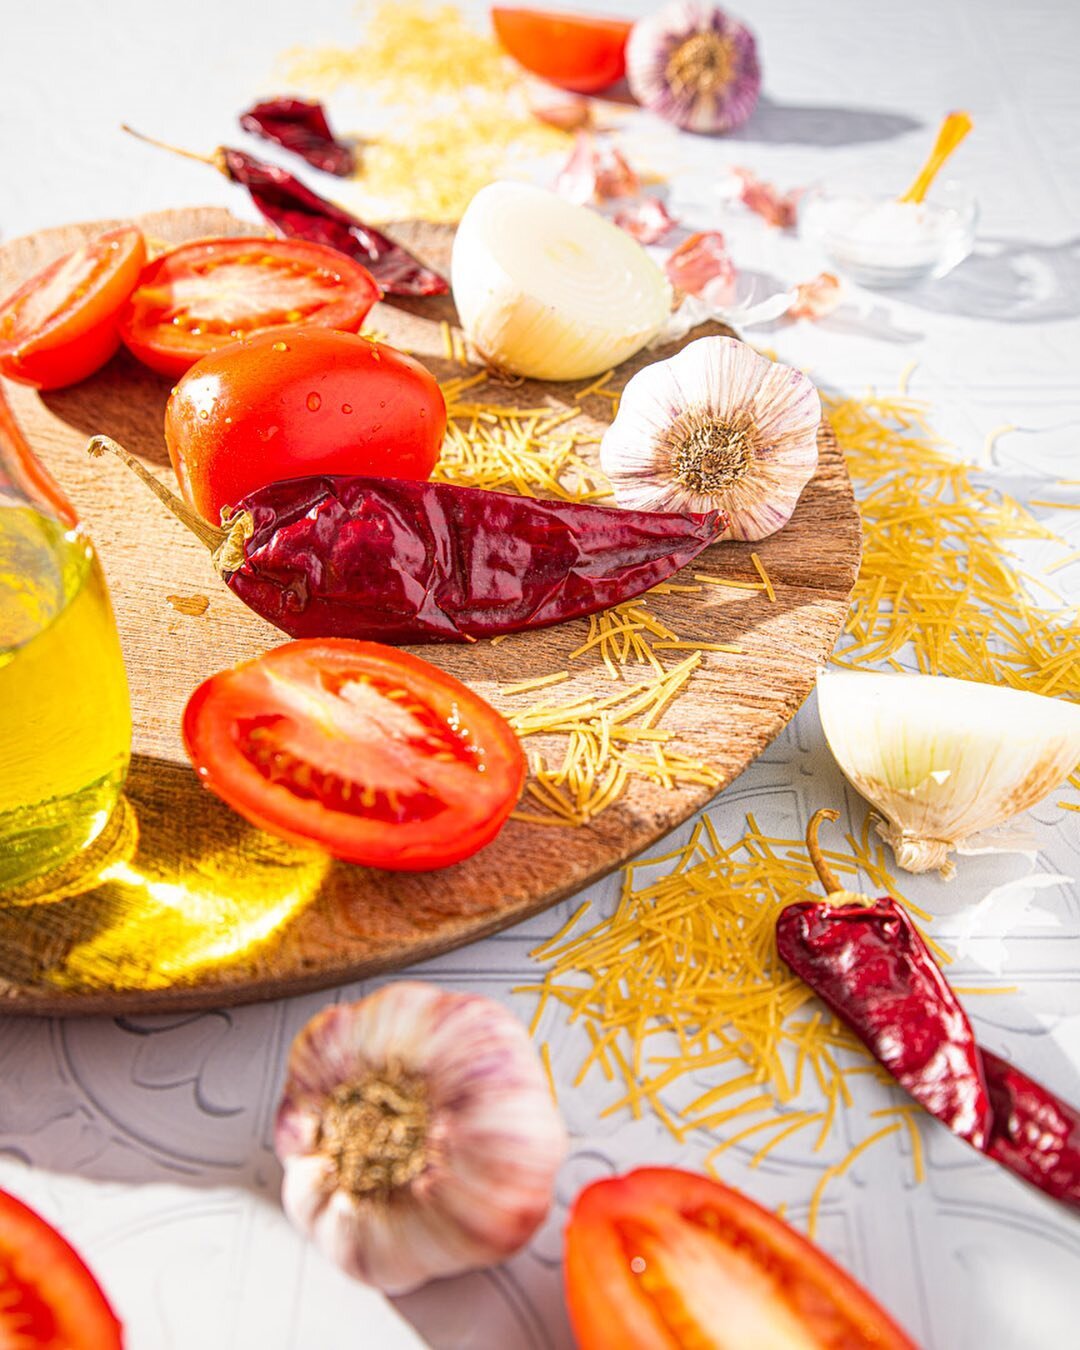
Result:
pixel 888 249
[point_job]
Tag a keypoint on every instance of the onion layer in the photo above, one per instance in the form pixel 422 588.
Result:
pixel 549 289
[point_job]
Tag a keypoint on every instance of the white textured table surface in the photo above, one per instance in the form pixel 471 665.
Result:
pixel 148 1139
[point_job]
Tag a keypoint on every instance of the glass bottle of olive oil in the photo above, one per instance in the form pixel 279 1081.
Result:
pixel 65 720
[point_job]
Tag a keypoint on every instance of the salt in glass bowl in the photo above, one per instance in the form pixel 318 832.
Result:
pixel 883 243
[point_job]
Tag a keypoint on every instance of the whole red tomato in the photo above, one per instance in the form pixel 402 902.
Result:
pixel 310 401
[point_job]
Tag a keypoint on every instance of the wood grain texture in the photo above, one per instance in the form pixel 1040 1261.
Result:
pixel 208 911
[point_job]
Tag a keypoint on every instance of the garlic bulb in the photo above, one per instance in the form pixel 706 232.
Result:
pixel 695 66
pixel 943 759
pixel 549 289
pixel 418 1135
pixel 715 426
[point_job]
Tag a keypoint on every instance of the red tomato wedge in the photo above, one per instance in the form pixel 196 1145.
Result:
pixel 662 1259
pixel 61 324
pixel 373 754
pixel 308 402
pixel 582 52
pixel 205 295
pixel 48 1298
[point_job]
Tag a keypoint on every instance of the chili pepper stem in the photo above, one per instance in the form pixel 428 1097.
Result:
pixel 215 160
pixel 834 892
pixel 226 545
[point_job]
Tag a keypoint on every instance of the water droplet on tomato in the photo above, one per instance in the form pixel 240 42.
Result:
pixel 203 414
pixel 281 346
pixel 346 407
pixel 314 402
pixel 382 403
pixel 228 421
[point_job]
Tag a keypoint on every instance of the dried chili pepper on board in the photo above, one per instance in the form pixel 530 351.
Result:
pixel 300 125
pixel 866 960
pixel 300 213
pixel 400 561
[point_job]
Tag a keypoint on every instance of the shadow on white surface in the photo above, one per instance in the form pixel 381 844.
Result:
pixel 775 123
pixel 1010 281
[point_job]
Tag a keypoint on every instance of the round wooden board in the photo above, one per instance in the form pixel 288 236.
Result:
pixel 209 911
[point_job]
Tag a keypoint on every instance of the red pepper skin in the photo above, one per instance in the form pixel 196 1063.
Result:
pixel 300 125
pixel 300 213
pixel 400 561
pixel 1035 1134
pixel 869 964
pixel 871 967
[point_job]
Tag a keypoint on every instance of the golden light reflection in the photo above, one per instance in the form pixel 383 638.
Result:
pixel 172 929
pixel 180 887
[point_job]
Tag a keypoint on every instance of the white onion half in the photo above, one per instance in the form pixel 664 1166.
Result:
pixel 549 289
pixel 945 760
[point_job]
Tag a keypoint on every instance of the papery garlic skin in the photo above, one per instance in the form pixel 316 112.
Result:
pixel 451 1137
pixel 943 759
pixel 550 289
pixel 715 426
pixel 695 66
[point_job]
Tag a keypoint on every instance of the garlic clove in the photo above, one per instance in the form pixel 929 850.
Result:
pixel 944 760
pixel 417 1134
pixel 695 66
pixel 715 426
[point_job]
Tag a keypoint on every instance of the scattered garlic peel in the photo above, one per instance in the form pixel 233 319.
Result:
pixel 816 298
pixel 717 426
pixel 945 760
pixel 693 312
pixel 595 172
pixel 702 266
pixel 417 1135
pixel 647 221
pixel 556 108
pixel 775 208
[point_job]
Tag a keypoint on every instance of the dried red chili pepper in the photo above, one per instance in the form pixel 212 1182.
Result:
pixel 866 960
pixel 1035 1134
pixel 300 213
pixel 399 561
pixel 300 125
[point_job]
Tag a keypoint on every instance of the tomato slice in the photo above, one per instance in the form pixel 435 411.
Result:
pixel 205 295
pixel 575 51
pixel 48 1297
pixel 61 324
pixel 368 751
pixel 663 1259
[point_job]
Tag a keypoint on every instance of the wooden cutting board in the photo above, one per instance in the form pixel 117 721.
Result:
pixel 207 911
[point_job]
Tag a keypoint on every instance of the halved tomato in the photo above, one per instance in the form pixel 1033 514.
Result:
pixel 370 752
pixel 205 295
pixel 48 1297
pixel 662 1259
pixel 582 52
pixel 61 324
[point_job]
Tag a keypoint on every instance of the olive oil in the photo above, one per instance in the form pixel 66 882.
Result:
pixel 65 720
